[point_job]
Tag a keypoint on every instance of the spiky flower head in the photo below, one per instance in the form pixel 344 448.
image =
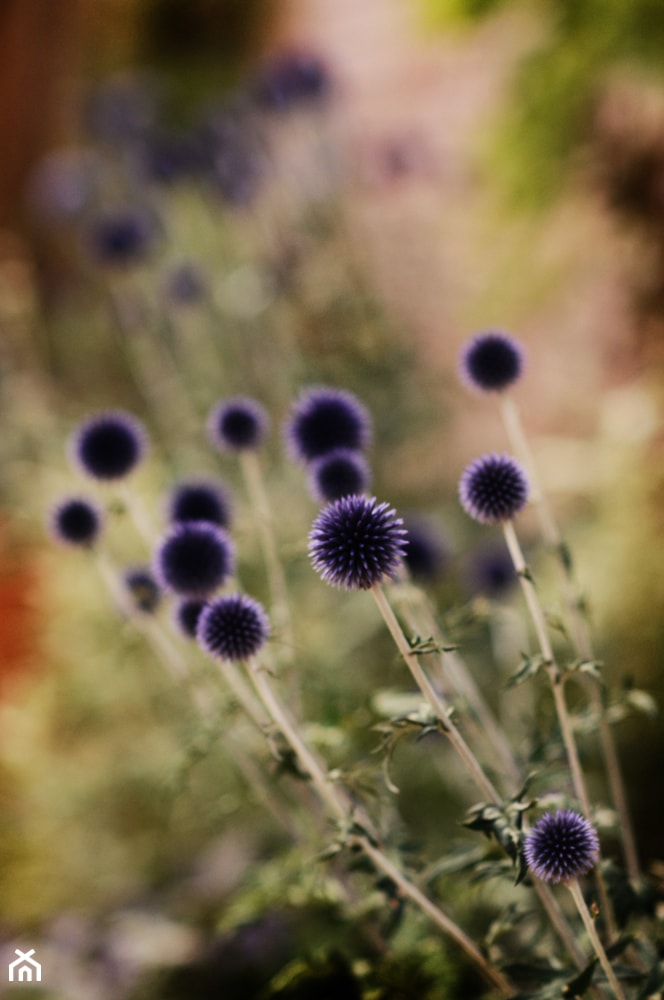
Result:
pixel 356 542
pixel 561 846
pixel 337 474
pixel 491 361
pixel 186 615
pixel 493 488
pixel 233 627
pixel 76 521
pixel 237 424
pixel 194 558
pixel 200 500
pixel 324 419
pixel 108 445
pixel 143 589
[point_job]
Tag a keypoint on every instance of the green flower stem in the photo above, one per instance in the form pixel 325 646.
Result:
pixel 440 709
pixel 579 628
pixel 418 614
pixel 589 924
pixel 557 680
pixel 262 513
pixel 434 700
pixel 342 812
pixel 137 512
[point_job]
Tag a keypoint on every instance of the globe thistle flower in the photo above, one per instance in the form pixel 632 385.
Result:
pixel 561 846
pixel 233 627
pixel 491 572
pixel 323 420
pixel 109 445
pixel 237 424
pixel 426 554
pixel 199 500
pixel 143 589
pixel 493 488
pixel 356 542
pixel 337 474
pixel 76 521
pixel 491 361
pixel 290 80
pixel 121 238
pixel 194 558
pixel 186 615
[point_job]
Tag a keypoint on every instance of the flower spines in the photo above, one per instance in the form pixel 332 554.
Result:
pixel 233 627
pixel 561 846
pixel 356 542
pixel 493 488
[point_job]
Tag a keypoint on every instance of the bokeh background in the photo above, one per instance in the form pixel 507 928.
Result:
pixel 451 166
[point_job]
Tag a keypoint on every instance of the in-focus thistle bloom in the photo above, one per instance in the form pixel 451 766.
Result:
pixel 491 361
pixel 238 424
pixel 194 558
pixel 426 554
pixel 186 615
pixel 323 419
pixel 339 473
pixel 200 500
pixel 493 488
pixel 561 846
pixel 356 542
pixel 233 627
pixel 109 445
pixel 76 521
pixel 143 588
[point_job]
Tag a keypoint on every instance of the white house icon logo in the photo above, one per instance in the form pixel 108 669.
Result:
pixel 25 969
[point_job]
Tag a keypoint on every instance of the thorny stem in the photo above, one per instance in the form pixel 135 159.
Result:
pixel 436 703
pixel 340 810
pixel 589 924
pixel 557 679
pixel 580 633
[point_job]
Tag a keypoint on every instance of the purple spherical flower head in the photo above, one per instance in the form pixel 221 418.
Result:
pixel 491 361
pixel 493 488
pixel 121 238
pixel 143 588
pixel 186 615
pixel 323 419
pixel 238 424
pixel 194 558
pixel 199 500
pixel 233 627
pixel 109 445
pixel 356 542
pixel 337 474
pixel 426 553
pixel 491 572
pixel 561 846
pixel 76 521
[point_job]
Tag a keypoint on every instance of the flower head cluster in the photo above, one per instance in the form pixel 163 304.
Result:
pixel 76 521
pixel 323 420
pixel 491 362
pixel 233 627
pixel 199 500
pixel 238 424
pixel 493 488
pixel 109 445
pixel 194 558
pixel 561 846
pixel 356 542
